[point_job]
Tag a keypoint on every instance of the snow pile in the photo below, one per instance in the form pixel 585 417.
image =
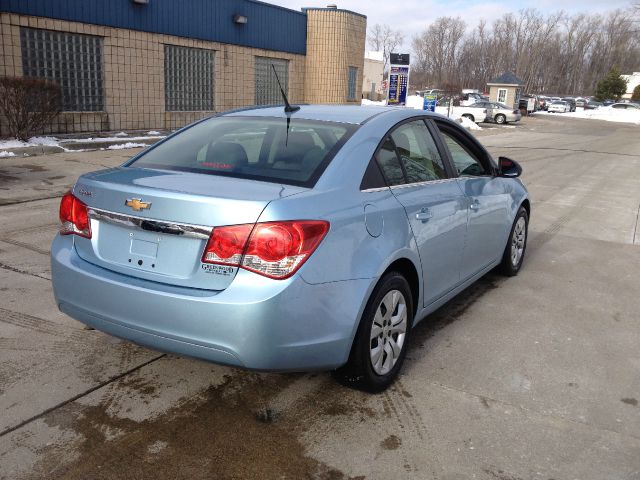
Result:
pixel 465 122
pixel 415 101
pixel 33 141
pixel 607 114
pixel 153 133
pixel 369 102
pixel 121 134
pixel 123 146
pixel 468 124
pixel 4 154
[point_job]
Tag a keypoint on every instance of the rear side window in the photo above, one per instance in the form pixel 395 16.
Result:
pixel 418 152
pixel 389 163
pixel 256 148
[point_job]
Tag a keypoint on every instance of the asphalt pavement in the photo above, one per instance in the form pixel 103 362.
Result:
pixel 531 377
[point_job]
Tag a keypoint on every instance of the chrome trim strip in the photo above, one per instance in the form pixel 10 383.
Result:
pixel 376 189
pixel 420 184
pixel 407 185
pixel 148 224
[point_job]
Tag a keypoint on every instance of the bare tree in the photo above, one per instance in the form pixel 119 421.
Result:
pixel 555 53
pixel 28 104
pixel 437 50
pixel 382 38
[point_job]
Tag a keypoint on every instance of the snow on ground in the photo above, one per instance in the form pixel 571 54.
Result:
pixel 55 142
pixel 107 139
pixel 372 102
pixel 4 154
pixel 604 113
pixel 123 146
pixel 33 141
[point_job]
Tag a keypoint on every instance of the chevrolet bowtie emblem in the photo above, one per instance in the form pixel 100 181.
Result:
pixel 137 204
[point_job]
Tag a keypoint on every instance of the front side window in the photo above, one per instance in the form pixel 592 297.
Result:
pixel 71 60
pixel 267 89
pixel 188 78
pixel 465 163
pixel 351 83
pixel 257 148
pixel 418 152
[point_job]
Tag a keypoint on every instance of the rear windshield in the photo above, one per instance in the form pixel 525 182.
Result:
pixel 257 148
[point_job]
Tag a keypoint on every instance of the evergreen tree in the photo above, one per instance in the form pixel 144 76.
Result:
pixel 612 86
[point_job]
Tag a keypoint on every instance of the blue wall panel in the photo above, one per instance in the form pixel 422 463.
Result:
pixel 269 26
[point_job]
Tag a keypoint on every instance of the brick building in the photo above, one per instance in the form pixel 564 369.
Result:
pixel 159 64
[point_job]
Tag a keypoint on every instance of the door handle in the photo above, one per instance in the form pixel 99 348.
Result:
pixel 424 214
pixel 475 205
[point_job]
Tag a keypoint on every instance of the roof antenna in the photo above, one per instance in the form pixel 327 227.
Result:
pixel 287 106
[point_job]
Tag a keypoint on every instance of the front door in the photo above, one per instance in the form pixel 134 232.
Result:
pixel 433 202
pixel 487 204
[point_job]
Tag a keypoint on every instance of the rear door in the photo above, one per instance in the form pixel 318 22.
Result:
pixel 432 200
pixel 489 108
pixel 486 198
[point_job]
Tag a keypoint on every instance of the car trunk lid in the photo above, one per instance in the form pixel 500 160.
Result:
pixel 154 224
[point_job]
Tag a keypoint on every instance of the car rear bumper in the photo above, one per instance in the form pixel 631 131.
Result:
pixel 255 323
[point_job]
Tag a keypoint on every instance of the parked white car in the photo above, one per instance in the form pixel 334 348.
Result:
pixel 625 106
pixel 497 112
pixel 477 115
pixel 559 107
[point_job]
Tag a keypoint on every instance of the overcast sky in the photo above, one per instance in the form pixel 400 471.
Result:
pixel 413 15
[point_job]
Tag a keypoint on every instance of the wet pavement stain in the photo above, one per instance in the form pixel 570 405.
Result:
pixel 392 442
pixel 451 311
pixel 217 435
pixel 630 401
pixel 34 168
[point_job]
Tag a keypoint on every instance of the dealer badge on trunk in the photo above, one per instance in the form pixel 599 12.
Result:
pixel 137 204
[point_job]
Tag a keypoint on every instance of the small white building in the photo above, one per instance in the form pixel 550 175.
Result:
pixel 633 81
pixel 373 76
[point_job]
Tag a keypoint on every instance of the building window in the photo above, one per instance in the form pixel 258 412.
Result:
pixel 267 90
pixel 72 60
pixel 502 95
pixel 188 79
pixel 351 84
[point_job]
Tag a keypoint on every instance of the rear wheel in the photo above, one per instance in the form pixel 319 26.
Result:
pixel 469 116
pixel 517 244
pixel 500 118
pixel 380 345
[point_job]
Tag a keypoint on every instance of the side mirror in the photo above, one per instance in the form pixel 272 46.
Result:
pixel 508 168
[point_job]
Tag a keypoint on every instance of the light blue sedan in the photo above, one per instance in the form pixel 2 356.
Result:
pixel 275 240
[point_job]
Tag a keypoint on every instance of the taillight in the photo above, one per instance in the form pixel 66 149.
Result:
pixel 74 217
pixel 273 249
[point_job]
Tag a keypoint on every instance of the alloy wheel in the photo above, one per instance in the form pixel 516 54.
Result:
pixel 518 240
pixel 388 332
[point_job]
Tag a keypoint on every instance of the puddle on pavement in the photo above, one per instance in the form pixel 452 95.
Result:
pixel 220 434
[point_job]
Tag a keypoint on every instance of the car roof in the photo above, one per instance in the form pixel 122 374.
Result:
pixel 354 114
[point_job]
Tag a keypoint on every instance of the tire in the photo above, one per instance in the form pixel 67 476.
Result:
pixel 362 371
pixel 500 119
pixel 469 116
pixel 514 251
